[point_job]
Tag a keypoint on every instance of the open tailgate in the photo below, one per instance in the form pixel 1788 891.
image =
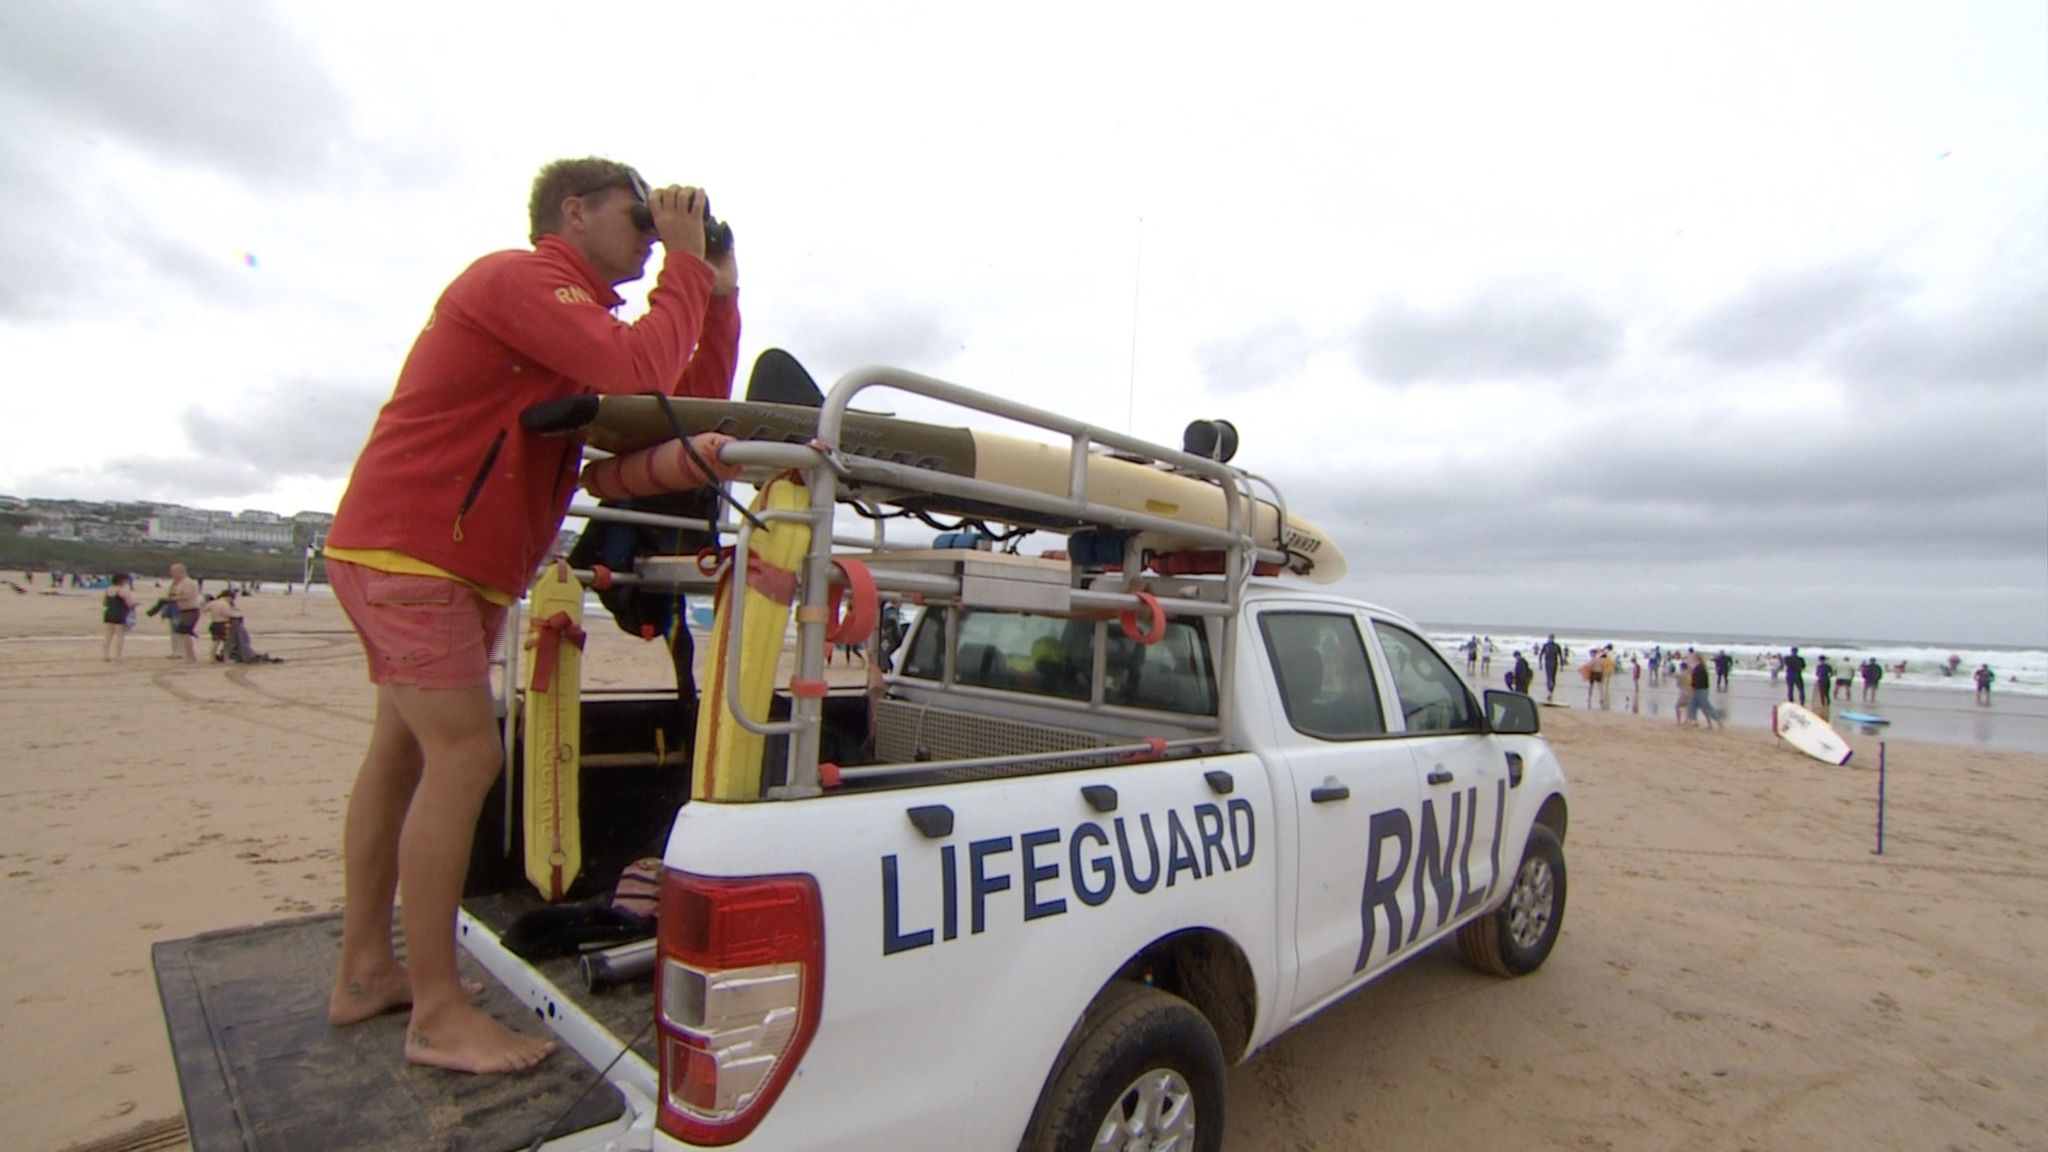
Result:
pixel 261 1070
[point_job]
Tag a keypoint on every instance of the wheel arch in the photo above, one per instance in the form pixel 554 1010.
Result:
pixel 1553 815
pixel 1207 969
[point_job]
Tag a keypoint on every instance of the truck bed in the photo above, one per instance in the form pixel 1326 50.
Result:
pixel 261 1070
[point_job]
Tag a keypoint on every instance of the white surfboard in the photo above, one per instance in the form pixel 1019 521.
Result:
pixel 1804 730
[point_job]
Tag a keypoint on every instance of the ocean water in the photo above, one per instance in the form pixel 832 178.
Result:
pixel 2021 671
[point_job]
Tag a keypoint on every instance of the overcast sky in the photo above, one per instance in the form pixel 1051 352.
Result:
pixel 1702 317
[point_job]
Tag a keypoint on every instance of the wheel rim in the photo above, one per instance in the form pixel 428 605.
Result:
pixel 1529 904
pixel 1154 1113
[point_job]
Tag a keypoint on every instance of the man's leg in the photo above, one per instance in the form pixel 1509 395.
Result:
pixel 371 981
pixel 461 757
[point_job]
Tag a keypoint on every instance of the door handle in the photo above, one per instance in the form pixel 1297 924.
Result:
pixel 1329 792
pixel 1440 776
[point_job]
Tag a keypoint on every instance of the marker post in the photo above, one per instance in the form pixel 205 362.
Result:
pixel 1880 799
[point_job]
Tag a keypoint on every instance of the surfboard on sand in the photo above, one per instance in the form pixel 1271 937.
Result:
pixel 1804 730
pixel 622 424
pixel 554 732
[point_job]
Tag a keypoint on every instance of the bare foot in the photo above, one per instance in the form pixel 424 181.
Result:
pixel 466 1040
pixel 354 1001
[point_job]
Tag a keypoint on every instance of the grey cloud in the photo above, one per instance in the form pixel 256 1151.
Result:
pixel 1274 354
pixel 1994 343
pixel 1507 334
pixel 871 333
pixel 216 275
pixel 1906 453
pixel 226 85
pixel 1789 316
pixel 308 428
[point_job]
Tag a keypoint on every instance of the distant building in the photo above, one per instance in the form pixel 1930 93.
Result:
pixel 220 529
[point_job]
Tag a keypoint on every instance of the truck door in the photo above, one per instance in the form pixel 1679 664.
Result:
pixel 1464 782
pixel 1356 798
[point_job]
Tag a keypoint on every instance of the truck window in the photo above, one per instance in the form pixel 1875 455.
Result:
pixel 1055 656
pixel 1432 697
pixel 1326 684
pixel 1172 675
pixel 1011 651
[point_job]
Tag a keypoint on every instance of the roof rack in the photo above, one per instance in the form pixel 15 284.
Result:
pixel 833 474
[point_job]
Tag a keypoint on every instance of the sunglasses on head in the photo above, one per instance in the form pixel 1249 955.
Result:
pixel 643 217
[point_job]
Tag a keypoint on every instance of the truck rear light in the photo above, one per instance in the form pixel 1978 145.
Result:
pixel 737 996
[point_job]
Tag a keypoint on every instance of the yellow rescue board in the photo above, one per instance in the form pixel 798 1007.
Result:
pixel 727 759
pixel 1043 468
pixel 553 731
pixel 624 424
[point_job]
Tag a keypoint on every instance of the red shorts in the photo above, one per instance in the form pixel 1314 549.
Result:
pixel 418 630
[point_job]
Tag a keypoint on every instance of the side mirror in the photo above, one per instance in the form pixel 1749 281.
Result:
pixel 1510 713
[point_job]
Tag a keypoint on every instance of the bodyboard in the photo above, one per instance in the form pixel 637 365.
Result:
pixel 727 758
pixel 1804 730
pixel 623 424
pixel 554 732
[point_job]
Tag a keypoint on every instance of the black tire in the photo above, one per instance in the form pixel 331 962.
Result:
pixel 1517 937
pixel 1141 1057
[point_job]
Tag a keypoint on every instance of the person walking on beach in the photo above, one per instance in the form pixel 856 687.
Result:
pixel 1549 656
pixel 425 569
pixel 1872 673
pixel 1522 675
pixel 1681 678
pixel 1722 663
pixel 117 615
pixel 1823 678
pixel 1984 678
pixel 1795 676
pixel 1702 697
pixel 184 609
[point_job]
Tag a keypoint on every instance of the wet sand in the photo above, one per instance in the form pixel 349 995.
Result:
pixel 1737 969
pixel 2010 722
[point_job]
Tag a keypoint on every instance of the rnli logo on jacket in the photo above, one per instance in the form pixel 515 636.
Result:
pixel 573 295
pixel 1090 862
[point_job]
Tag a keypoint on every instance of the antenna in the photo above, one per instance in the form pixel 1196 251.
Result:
pixel 1131 385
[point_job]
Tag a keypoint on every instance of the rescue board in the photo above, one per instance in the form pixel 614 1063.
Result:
pixel 727 758
pixel 554 731
pixel 624 424
pixel 1806 731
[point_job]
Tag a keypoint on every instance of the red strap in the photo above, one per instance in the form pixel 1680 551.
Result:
pixel 808 689
pixel 861 613
pixel 546 639
pixel 778 584
pixel 1129 620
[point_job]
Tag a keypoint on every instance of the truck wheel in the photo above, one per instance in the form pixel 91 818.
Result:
pixel 1143 1071
pixel 1517 937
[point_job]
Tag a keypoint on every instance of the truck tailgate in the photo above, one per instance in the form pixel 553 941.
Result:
pixel 260 1068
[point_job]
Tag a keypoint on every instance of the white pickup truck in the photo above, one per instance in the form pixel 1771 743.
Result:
pixel 1037 893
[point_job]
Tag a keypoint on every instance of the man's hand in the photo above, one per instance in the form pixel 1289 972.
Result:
pixel 679 218
pixel 726 271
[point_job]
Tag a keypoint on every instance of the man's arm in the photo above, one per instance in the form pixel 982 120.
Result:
pixel 526 304
pixel 711 370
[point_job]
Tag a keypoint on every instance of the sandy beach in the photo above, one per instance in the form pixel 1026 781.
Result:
pixel 1737 969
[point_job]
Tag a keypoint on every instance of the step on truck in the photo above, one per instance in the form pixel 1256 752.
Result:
pixel 1111 822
